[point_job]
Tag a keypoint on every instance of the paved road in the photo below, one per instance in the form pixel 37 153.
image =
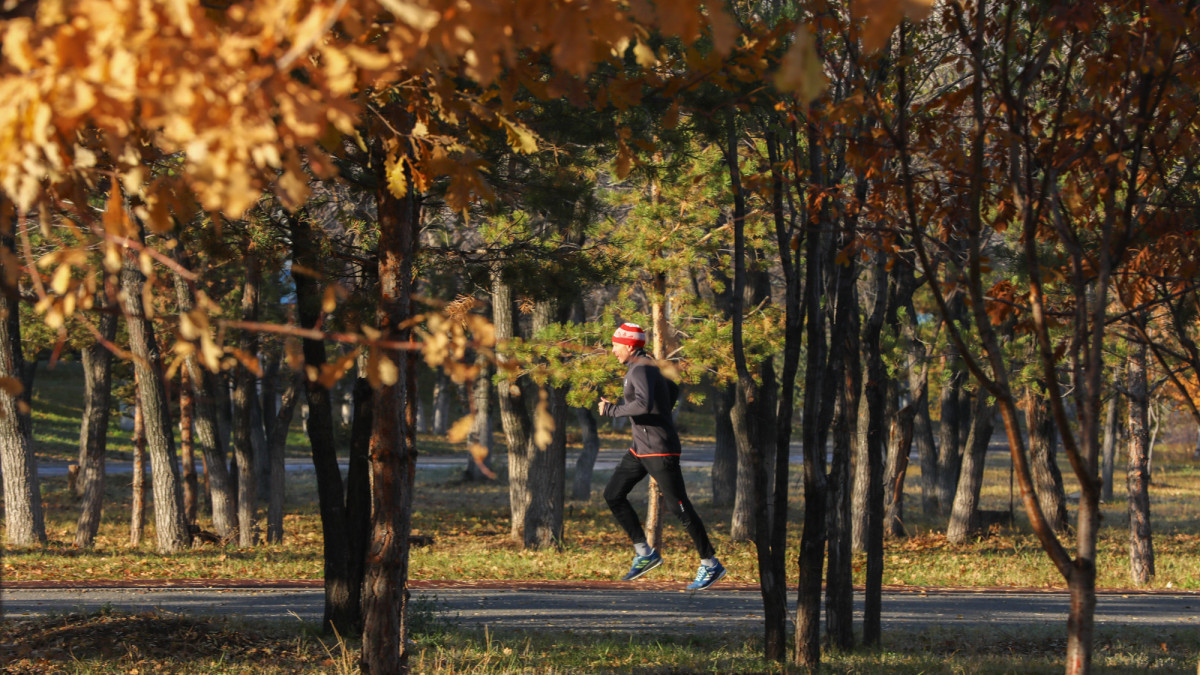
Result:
pixel 611 606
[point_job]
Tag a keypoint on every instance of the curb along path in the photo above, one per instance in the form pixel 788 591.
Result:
pixel 593 606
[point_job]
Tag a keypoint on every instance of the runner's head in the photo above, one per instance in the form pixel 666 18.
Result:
pixel 627 341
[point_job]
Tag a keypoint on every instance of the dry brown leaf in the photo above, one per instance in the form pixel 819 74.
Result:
pixel 543 424
pixel 460 429
pixel 11 386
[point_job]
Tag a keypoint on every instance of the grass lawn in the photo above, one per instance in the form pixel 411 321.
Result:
pixel 114 642
pixel 470 526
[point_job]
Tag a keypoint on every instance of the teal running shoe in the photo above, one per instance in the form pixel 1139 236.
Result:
pixel 643 564
pixel 707 576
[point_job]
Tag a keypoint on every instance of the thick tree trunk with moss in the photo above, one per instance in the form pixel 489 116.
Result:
pixel 93 436
pixel 170 525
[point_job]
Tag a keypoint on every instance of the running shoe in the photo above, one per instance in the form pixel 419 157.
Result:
pixel 643 564
pixel 707 576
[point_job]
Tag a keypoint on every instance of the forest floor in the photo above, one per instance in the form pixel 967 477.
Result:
pixel 469 528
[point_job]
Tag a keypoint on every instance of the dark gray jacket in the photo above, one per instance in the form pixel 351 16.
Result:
pixel 649 398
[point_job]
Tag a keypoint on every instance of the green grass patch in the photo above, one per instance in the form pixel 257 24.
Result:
pixel 114 642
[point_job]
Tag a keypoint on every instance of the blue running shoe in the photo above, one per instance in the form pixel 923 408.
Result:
pixel 643 564
pixel 707 576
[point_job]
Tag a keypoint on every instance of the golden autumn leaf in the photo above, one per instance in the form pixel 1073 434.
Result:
pixel 801 70
pixel 724 29
pixel 882 17
pixel 543 424
pixel 381 370
pixel 460 429
pixel 520 138
pixel 396 180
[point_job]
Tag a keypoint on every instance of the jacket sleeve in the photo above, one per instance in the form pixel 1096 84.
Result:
pixel 640 404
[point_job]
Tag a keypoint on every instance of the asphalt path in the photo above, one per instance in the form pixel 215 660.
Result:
pixel 602 606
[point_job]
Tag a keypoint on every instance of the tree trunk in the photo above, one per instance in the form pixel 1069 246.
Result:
pixel 658 320
pixel 918 382
pixel 244 393
pixel 278 472
pixel 206 426
pixel 393 452
pixel 875 390
pixel 724 466
pixel 441 403
pixel 860 476
pixel 899 448
pixel 342 611
pixel 964 514
pixel 1043 446
pixel 547 466
pixel 949 449
pixel 582 488
pixel 186 449
pixel 170 525
pixel 262 420
pixel 137 516
pixel 24 521
pixel 358 488
pixel 1108 450
pixel 479 463
pixel 93 437
pixel 513 416
pixel 1137 479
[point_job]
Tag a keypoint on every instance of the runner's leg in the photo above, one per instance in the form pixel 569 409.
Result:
pixel 666 471
pixel 628 473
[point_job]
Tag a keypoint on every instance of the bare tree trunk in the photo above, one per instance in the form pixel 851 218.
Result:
pixel 875 391
pixel 582 488
pixel 513 416
pixel 393 452
pixel 1043 445
pixel 1108 450
pixel 899 447
pixel 964 514
pixel 1141 546
pixel 137 517
pixel 479 464
pixel 278 472
pixel 93 437
pixel 186 452
pixel 839 596
pixel 949 449
pixel 24 520
pixel 342 610
pixel 860 477
pixel 918 381
pixel 441 402
pixel 170 525
pixel 724 466
pixel 206 427
pixel 547 466
pixel 658 319
pixel 243 395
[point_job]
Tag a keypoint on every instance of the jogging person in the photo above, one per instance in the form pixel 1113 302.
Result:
pixel 648 400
